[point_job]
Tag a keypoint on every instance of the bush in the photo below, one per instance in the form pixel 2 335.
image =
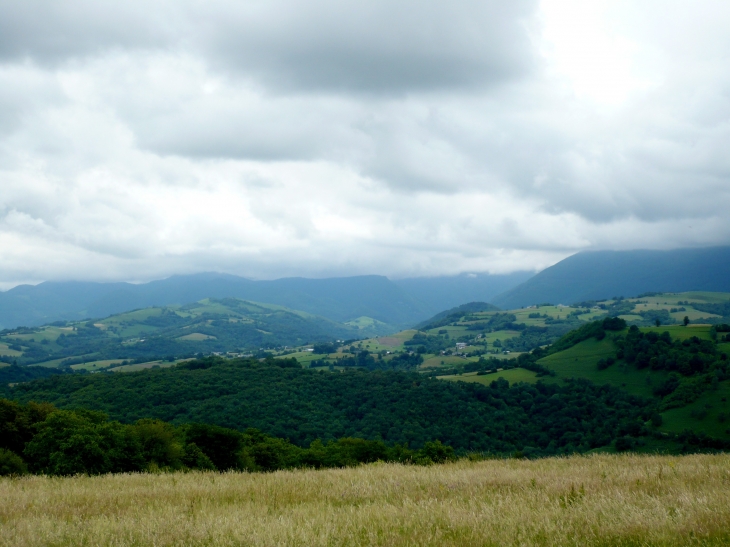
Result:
pixel 625 443
pixel 11 464
pixel 436 452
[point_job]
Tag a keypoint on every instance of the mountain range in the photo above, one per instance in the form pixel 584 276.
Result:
pixel 605 274
pixel 399 303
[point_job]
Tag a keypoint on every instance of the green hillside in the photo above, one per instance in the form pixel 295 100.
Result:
pixel 172 333
pixel 599 275
pixel 280 398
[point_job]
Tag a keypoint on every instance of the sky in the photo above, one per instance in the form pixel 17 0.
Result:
pixel 275 138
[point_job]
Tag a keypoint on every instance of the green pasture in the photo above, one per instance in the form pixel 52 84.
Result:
pixel 136 331
pixel 581 361
pixel 304 357
pixel 196 337
pixel 445 360
pixel 710 414
pixel 392 342
pixel 630 317
pixel 680 332
pixel 693 314
pixel 7 352
pixel 364 322
pixel 143 366
pixel 132 316
pixel 44 333
pixel 453 332
pixel 50 364
pixel 513 376
pixel 97 365
pixel 704 297
pixel 724 347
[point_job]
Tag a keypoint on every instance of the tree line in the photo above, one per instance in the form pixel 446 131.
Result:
pixel 41 439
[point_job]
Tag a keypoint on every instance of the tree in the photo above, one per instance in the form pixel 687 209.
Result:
pixel 686 321
pixel 11 464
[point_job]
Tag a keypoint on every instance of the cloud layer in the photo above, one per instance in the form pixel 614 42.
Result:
pixel 335 138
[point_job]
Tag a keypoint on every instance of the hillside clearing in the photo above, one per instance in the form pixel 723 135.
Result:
pixel 599 500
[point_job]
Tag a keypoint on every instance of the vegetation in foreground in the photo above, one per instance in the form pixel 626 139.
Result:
pixel 280 398
pixel 588 501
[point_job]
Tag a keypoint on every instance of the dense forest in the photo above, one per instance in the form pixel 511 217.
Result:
pixel 282 399
pixel 39 438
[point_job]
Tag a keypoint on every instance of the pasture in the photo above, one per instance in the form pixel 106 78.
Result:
pixel 581 361
pixel 512 375
pixel 598 500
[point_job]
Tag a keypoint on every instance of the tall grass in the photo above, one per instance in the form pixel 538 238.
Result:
pixel 596 500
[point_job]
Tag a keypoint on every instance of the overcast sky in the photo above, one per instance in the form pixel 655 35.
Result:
pixel 272 138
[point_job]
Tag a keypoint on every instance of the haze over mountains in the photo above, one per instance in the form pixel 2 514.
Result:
pixel 604 274
pixel 401 303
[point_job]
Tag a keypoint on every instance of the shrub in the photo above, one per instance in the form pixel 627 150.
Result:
pixel 11 464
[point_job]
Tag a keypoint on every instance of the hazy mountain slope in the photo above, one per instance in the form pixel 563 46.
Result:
pixel 210 325
pixel 454 314
pixel 338 299
pixel 603 274
pixel 403 302
pixel 441 293
pixel 51 301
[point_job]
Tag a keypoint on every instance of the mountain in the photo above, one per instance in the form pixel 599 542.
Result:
pixel 455 314
pixel 210 325
pixel 441 293
pixel 338 299
pixel 604 274
pixel 400 303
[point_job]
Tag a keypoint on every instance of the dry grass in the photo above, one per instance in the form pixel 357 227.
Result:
pixel 598 500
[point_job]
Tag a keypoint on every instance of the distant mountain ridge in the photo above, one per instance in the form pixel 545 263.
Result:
pixel 597 275
pixel 401 303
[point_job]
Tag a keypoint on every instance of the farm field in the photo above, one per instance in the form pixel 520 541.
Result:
pixel 513 376
pixel 581 360
pixel 710 413
pixel 598 500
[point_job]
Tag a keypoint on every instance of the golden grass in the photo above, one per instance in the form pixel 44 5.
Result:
pixel 596 500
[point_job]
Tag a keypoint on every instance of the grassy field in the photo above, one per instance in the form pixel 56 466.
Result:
pixel 143 366
pixel 196 337
pixel 5 350
pixel 513 376
pixel 581 360
pixel 710 414
pixel 600 500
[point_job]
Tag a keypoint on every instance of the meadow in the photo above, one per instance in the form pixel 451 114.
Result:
pixel 597 500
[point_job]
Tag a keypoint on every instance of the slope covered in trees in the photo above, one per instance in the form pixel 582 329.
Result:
pixel 282 399
pixel 605 274
pixel 401 303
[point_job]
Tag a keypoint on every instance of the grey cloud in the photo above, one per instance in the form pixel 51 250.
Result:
pixel 324 138
pixel 52 32
pixel 377 46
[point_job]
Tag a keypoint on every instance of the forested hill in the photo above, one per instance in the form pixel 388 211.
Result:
pixel 225 325
pixel 605 274
pixel 280 398
pixel 402 303
pixel 337 299
pixel 454 314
